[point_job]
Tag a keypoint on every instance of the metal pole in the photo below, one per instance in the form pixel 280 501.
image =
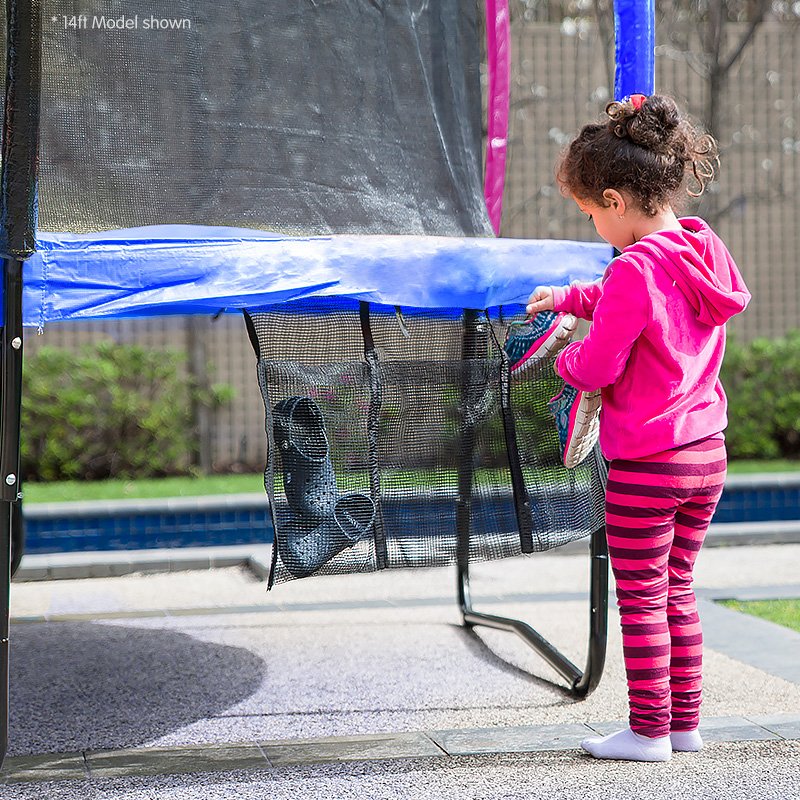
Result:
pixel 18 216
pixel 469 351
pixel 581 683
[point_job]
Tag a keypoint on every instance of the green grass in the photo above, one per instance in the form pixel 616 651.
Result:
pixel 139 489
pixel 784 612
pixel 778 465
pixel 238 484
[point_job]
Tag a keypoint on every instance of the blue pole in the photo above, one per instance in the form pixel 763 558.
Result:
pixel 635 38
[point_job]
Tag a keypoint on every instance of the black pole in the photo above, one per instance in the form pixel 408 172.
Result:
pixel 18 212
pixel 583 683
pixel 598 616
pixel 470 350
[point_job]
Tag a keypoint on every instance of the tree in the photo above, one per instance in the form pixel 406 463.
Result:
pixel 711 36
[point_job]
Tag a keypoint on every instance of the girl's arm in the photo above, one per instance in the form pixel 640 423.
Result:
pixel 621 313
pixel 579 299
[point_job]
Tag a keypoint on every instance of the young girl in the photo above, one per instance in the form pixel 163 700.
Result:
pixel 654 351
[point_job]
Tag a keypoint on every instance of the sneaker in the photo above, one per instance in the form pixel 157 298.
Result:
pixel 539 338
pixel 578 421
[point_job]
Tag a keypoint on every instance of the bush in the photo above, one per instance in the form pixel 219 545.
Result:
pixel 108 411
pixel 762 381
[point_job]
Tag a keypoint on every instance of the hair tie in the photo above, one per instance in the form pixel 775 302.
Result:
pixel 637 100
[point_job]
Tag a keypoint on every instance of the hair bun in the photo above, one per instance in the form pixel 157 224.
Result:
pixel 652 125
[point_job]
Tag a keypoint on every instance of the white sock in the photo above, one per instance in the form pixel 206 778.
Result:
pixel 686 741
pixel 629 746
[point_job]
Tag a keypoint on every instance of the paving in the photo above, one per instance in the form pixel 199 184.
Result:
pixel 197 683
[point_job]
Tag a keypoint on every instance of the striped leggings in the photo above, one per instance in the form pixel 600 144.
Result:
pixel 657 512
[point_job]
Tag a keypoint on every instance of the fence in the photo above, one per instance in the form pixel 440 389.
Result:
pixel 560 81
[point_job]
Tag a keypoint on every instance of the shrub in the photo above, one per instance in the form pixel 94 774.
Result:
pixel 762 381
pixel 107 411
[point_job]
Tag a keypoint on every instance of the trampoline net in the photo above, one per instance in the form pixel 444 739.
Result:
pixel 386 437
pixel 345 116
pixel 378 457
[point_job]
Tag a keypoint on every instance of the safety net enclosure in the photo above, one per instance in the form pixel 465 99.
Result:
pixel 318 165
pixel 353 116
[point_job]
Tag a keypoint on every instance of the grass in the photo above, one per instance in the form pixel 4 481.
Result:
pixel 749 467
pixel 139 489
pixel 783 612
pixel 254 482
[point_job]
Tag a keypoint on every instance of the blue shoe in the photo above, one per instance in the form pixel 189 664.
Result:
pixel 577 417
pixel 539 338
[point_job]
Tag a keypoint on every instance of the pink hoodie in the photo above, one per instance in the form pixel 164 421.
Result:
pixel 657 339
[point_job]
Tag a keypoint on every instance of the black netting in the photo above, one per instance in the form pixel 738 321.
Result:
pixel 355 116
pixel 376 459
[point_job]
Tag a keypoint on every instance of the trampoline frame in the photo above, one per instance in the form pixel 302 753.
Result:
pixel 634 21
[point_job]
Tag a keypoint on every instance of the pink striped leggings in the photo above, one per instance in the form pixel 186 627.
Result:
pixel 657 512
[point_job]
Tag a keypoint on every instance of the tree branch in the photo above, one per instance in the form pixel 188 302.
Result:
pixel 763 5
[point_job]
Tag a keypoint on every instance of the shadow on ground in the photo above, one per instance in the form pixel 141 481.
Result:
pixel 78 686
pixel 483 649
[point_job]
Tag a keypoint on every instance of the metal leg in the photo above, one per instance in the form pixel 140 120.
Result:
pixel 10 494
pixel 580 683
pixel 20 143
pixel 5 586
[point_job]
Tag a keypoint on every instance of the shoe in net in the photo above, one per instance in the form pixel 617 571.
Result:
pixel 305 548
pixel 308 477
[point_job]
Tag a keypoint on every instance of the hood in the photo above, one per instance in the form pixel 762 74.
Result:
pixel 701 267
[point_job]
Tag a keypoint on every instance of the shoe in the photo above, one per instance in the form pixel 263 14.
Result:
pixel 308 477
pixel 539 338
pixel 578 421
pixel 304 549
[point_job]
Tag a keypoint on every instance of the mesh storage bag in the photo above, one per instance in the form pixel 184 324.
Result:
pixel 389 434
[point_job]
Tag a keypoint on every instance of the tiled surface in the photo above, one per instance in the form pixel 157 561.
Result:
pixel 523 739
pixel 730 729
pixel 374 747
pixel 175 760
pixel 140 530
pixel 55 767
pixel 350 748
pixel 759 503
pixel 785 725
pixel 754 641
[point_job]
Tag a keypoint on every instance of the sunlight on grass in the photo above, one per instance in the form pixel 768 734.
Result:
pixel 140 489
pixel 783 612
pixel 778 465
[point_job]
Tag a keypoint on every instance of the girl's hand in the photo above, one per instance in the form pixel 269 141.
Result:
pixel 540 300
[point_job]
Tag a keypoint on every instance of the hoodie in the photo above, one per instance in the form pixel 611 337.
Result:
pixel 657 340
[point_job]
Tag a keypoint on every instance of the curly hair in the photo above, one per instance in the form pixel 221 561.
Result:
pixel 647 152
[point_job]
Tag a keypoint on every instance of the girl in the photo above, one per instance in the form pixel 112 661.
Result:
pixel 654 351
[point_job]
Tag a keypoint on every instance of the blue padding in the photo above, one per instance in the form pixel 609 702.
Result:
pixel 635 35
pixel 186 269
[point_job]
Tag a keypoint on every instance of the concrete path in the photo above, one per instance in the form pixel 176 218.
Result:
pixel 199 684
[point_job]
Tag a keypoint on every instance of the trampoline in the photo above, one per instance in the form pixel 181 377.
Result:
pixel 317 168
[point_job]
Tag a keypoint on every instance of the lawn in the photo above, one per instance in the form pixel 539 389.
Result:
pixel 239 484
pixel 784 612
pixel 138 489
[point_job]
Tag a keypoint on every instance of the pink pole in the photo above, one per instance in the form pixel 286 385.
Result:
pixel 498 49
